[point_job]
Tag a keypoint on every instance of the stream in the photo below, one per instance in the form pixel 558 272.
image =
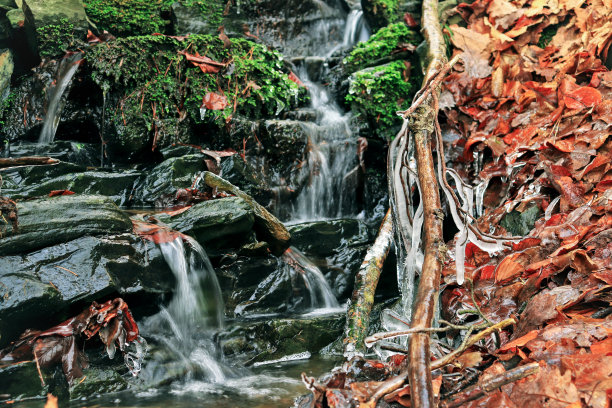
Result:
pixel 190 352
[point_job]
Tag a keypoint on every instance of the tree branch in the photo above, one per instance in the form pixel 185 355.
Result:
pixel 358 315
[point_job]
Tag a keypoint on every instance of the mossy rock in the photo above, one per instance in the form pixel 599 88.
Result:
pixel 156 95
pixel 377 93
pixel 129 17
pixel 383 46
pixel 54 25
pixel 379 13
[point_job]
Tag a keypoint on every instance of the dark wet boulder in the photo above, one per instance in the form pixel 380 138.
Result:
pixel 222 223
pixel 337 247
pixel 273 339
pixel 166 178
pixel 39 181
pixel 43 287
pixel 54 220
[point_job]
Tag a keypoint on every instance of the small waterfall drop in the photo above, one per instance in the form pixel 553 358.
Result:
pixel 321 295
pixel 185 325
pixel 68 66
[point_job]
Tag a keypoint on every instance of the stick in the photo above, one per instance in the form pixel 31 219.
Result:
pixel 269 225
pixel 358 315
pixel 470 342
pixel 480 390
pixel 26 161
pixel 421 389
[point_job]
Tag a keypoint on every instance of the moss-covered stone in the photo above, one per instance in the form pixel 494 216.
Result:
pixel 380 13
pixel 53 25
pixel 381 46
pixel 377 93
pixel 129 17
pixel 156 91
pixel 54 220
pixel 6 71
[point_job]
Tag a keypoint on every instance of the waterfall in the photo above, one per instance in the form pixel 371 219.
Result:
pixel 185 325
pixel 321 295
pixel 332 154
pixel 332 146
pixel 68 66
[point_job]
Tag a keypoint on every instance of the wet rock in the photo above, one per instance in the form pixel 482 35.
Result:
pixel 520 223
pixel 36 181
pixel 323 238
pixel 6 71
pixel 20 381
pixel 167 177
pixel 283 139
pixel 84 154
pixel 269 340
pixel 50 221
pixel 296 27
pixel 337 247
pixel 44 287
pixel 53 24
pixel 221 223
pixel 98 381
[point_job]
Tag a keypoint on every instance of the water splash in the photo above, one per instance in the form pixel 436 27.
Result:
pixel 68 66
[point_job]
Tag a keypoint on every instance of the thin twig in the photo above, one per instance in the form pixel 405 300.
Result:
pixel 470 342
pixel 487 386
pixel 42 381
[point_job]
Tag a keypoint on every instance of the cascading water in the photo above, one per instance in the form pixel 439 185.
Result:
pixel 332 147
pixel 321 294
pixel 185 325
pixel 68 66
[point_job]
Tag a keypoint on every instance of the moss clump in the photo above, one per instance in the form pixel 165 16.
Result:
pixel 129 17
pixel 381 46
pixel 381 13
pixel 547 35
pixel 156 88
pixel 54 39
pixel 377 93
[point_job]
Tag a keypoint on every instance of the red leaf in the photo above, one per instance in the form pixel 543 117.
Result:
pixel 153 232
pixel 294 78
pixel 214 101
pixel 54 193
pixel 584 97
pixel 410 21
pixel 207 65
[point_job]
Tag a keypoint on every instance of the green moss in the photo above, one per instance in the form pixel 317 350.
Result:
pixel 547 35
pixel 54 39
pixel 157 88
pixel 378 93
pixel 381 46
pixel 129 17
pixel 381 12
pixel 211 10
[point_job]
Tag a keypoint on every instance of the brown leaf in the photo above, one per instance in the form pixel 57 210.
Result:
pixel 214 101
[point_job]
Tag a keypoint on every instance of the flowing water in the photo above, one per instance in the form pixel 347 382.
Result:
pixel 322 298
pixel 68 66
pixel 332 146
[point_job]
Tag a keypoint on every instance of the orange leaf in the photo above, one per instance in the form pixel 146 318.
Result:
pixel 584 97
pixel 508 268
pixel 521 341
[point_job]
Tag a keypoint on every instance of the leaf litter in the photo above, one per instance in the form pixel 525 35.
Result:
pixel 534 122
